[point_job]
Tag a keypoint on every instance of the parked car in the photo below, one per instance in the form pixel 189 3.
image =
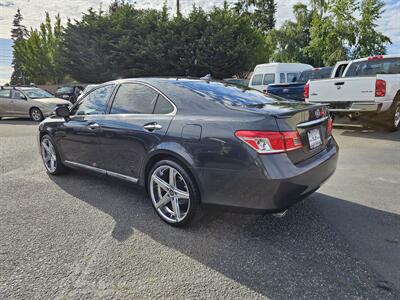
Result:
pixel 295 90
pixel 88 88
pixel 31 102
pixel 69 92
pixel 369 87
pixel 266 74
pixel 192 142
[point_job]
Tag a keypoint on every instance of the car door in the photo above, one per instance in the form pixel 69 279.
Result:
pixel 138 118
pixel 78 138
pixel 5 103
pixel 20 103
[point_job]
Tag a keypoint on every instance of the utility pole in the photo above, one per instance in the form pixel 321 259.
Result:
pixel 178 11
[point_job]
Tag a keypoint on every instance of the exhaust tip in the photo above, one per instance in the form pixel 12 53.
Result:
pixel 280 214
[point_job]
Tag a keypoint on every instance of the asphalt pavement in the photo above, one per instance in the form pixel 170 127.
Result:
pixel 83 236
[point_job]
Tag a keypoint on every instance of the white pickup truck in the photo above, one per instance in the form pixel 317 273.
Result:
pixel 368 87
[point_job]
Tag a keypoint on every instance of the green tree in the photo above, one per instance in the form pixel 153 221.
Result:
pixel 369 40
pixel 261 12
pixel 293 37
pixel 333 33
pixel 39 52
pixel 18 33
pixel 130 42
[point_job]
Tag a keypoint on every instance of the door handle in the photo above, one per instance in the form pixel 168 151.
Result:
pixel 339 83
pixel 93 126
pixel 152 126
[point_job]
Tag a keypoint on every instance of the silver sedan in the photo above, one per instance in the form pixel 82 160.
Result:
pixel 29 102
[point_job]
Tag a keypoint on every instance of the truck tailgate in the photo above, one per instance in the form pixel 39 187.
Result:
pixel 354 89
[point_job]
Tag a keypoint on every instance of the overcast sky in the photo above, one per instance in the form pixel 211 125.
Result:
pixel 34 12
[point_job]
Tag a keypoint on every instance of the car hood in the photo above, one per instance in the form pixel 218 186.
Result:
pixel 56 101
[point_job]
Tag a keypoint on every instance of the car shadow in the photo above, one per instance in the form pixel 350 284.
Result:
pixel 370 131
pixel 18 121
pixel 298 256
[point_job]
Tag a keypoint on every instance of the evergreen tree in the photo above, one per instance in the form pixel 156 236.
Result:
pixel 18 33
pixel 38 53
pixel 261 13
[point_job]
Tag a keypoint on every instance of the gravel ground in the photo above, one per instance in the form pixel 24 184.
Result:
pixel 84 236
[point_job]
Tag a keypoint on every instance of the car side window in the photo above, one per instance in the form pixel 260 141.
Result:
pixel 4 93
pixel 163 106
pixel 269 78
pixel 16 95
pixel 291 77
pixel 282 78
pixel 95 102
pixel 134 98
pixel 257 79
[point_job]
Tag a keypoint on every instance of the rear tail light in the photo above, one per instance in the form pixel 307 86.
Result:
pixel 330 126
pixel 266 142
pixel 307 91
pixel 380 88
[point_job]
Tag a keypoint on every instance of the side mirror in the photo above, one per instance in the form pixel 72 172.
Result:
pixel 23 97
pixel 62 111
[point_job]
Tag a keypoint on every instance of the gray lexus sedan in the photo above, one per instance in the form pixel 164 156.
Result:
pixel 195 142
pixel 28 102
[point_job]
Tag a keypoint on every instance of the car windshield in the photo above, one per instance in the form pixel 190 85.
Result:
pixel 225 93
pixel 65 90
pixel 89 88
pixel 37 94
pixel 315 74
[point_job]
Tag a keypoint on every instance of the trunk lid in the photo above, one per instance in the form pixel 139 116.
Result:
pixel 309 120
pixel 312 126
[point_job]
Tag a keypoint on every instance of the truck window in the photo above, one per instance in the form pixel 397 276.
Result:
pixel 282 78
pixel 374 67
pixel 291 77
pixel 268 79
pixel 257 79
pixel 340 70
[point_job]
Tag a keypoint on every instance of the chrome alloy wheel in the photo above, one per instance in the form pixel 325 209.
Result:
pixel 48 155
pixel 36 115
pixel 170 194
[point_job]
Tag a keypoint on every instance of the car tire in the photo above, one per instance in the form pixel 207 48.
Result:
pixel 50 156
pixel 393 117
pixel 36 114
pixel 175 197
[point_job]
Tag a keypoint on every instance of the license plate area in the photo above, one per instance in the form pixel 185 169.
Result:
pixel 314 138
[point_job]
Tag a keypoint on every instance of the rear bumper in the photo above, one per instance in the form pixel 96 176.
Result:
pixel 349 107
pixel 274 187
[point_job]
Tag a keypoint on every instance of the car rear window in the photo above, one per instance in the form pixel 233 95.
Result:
pixel 374 67
pixel 224 93
pixel 315 74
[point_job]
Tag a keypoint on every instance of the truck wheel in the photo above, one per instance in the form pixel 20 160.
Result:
pixel 354 116
pixel 393 122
